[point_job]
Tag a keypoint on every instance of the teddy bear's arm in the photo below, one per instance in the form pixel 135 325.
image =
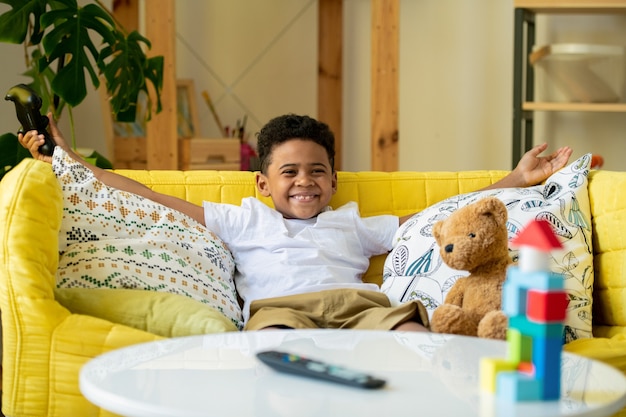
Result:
pixel 457 292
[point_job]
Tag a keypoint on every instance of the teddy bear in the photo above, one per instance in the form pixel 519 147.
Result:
pixel 474 239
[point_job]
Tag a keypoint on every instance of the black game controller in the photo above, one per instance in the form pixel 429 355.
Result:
pixel 27 105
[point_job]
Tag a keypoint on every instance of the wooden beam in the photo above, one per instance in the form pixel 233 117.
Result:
pixel 384 100
pixel 127 13
pixel 330 70
pixel 161 130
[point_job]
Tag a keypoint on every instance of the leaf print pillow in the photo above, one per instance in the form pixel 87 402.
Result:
pixel 415 270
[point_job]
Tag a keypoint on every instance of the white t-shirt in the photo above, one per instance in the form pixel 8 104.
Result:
pixel 275 256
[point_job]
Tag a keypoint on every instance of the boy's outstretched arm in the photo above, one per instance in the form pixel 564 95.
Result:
pixel 32 141
pixel 532 169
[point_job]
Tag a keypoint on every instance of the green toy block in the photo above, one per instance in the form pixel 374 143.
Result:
pixel 519 346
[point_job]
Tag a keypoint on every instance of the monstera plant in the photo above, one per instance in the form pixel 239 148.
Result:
pixel 66 46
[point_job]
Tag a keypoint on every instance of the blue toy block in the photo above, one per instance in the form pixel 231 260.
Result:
pixel 538 280
pixel 513 299
pixel 519 346
pixel 532 329
pixel 515 387
pixel 547 360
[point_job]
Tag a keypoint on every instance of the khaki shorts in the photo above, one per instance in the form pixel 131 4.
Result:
pixel 334 309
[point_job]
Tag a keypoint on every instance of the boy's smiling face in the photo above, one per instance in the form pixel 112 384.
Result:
pixel 299 179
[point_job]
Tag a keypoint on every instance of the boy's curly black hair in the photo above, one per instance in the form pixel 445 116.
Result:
pixel 292 126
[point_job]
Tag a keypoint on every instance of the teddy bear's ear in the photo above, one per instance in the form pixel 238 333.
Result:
pixel 437 230
pixel 496 208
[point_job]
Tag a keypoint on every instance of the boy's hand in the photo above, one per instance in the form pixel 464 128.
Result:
pixel 32 140
pixel 532 169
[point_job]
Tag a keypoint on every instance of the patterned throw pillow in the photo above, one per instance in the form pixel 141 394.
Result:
pixel 414 269
pixel 115 239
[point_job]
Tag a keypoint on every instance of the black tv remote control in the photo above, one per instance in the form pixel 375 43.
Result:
pixel 298 365
pixel 27 105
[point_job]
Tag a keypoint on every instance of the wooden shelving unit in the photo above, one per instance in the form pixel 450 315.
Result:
pixel 523 73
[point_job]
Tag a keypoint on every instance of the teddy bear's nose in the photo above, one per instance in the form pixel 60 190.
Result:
pixel 449 248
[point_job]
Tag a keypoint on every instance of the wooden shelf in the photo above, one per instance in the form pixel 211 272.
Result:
pixel 203 153
pixel 193 153
pixel 572 6
pixel 580 107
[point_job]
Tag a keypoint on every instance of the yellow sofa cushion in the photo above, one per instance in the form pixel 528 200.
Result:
pixel 608 205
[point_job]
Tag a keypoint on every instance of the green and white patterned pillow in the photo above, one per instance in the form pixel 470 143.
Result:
pixel 115 239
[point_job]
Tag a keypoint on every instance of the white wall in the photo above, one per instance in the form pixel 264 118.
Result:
pixel 259 58
pixel 455 84
pixel 255 58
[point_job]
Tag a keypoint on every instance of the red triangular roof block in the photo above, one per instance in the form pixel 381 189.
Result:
pixel 538 234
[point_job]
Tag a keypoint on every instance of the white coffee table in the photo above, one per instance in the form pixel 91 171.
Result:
pixel 428 375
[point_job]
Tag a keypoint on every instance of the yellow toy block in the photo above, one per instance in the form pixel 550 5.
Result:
pixel 489 368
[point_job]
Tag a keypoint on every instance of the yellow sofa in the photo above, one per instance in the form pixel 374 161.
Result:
pixel 44 344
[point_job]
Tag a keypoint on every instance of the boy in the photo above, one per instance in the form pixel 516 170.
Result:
pixel 300 265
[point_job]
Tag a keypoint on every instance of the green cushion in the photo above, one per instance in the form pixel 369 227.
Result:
pixel 164 314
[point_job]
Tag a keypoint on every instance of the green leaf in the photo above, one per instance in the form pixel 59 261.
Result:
pixel 97 159
pixel 14 23
pixel 154 72
pixel 70 38
pixel 126 68
pixel 129 115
